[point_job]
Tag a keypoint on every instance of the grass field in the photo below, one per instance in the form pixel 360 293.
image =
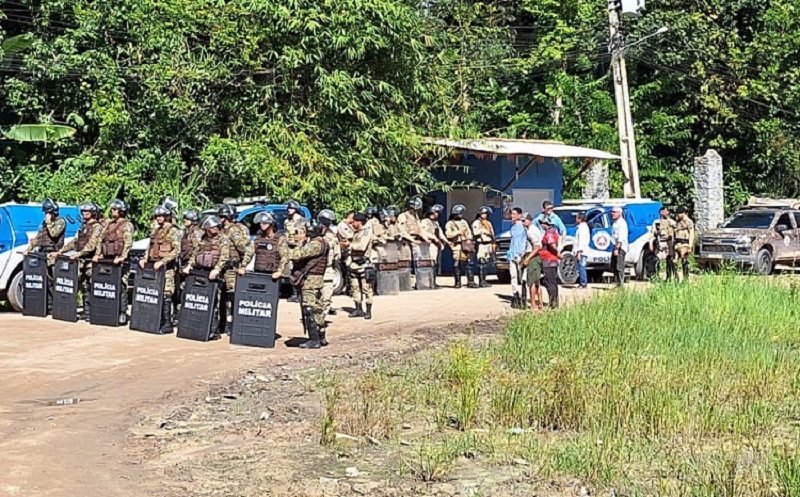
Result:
pixel 680 390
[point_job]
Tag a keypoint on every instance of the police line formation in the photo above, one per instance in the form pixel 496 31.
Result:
pixel 196 277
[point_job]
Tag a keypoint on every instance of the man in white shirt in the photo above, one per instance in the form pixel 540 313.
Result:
pixel 619 237
pixel 581 248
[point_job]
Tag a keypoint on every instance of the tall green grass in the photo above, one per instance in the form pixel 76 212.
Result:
pixel 689 389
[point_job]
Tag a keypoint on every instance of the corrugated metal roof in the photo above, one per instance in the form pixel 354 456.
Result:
pixel 532 148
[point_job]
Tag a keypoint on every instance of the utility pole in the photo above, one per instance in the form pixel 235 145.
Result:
pixel 627 141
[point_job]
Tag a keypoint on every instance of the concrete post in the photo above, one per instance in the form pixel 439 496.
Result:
pixel 596 181
pixel 709 195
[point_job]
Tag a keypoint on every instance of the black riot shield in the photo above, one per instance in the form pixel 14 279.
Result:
pixel 404 275
pixel 387 271
pixel 65 290
pixel 198 307
pixel 423 267
pixel 148 297
pixel 106 294
pixel 255 310
pixel 35 285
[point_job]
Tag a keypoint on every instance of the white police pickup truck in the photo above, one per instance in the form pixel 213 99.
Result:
pixel 640 215
pixel 19 224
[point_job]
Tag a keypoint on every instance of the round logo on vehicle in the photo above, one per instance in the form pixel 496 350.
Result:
pixel 787 241
pixel 601 240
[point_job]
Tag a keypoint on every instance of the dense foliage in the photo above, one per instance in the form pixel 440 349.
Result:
pixel 327 101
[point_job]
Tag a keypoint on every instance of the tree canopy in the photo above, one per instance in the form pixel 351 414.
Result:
pixel 327 101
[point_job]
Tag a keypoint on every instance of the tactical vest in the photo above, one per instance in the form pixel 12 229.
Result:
pixel 47 243
pixel 314 266
pixel 186 243
pixel 208 253
pixel 84 235
pixel 664 230
pixel 160 244
pixel 114 238
pixel 266 253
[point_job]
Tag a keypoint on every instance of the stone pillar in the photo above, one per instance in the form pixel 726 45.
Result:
pixel 709 195
pixel 596 181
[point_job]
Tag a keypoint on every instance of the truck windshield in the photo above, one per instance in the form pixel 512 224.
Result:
pixel 750 219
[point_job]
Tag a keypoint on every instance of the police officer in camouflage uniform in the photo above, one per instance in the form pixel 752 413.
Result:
pixel 268 247
pixel 662 241
pixel 241 253
pixel 49 240
pixel 459 234
pixel 163 252
pixel 483 231
pixel 309 260
pixel 189 240
pixel 357 264
pixel 684 239
pixel 294 225
pixel 211 254
pixel 116 242
pixel 432 231
pixel 326 218
pixel 85 245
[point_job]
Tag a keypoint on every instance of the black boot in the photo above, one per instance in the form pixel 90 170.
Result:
pixel 368 315
pixel 358 312
pixel 223 314
pixel 685 265
pixel 471 277
pixel 123 306
pixel 87 307
pixel 331 311
pixel 482 276
pixel 166 316
pixel 457 274
pixel 313 331
pixel 516 301
pixel 294 297
pixel 322 340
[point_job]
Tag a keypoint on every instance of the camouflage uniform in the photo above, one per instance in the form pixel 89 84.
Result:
pixel 165 247
pixel 457 231
pixel 334 256
pixel 294 227
pixel 310 284
pixel 241 253
pixel 207 244
pixel 85 244
pixel 116 242
pixel 357 264
pixel 50 238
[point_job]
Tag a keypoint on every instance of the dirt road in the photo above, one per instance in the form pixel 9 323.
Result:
pixel 61 450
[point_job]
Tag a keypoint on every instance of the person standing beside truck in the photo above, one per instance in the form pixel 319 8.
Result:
pixel 619 237
pixel 684 240
pixel 547 212
pixel 85 245
pixel 550 256
pixel 115 244
pixel 582 237
pixel 663 241
pixel 516 251
pixel 484 236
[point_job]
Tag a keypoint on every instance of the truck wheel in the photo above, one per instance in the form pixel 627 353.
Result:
pixel 503 276
pixel 15 292
pixel 339 284
pixel 568 269
pixel 763 263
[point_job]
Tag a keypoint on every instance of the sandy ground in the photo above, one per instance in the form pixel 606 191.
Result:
pixel 48 449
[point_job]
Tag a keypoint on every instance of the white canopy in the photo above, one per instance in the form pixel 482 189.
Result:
pixel 532 148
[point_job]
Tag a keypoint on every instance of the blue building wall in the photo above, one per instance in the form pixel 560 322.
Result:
pixel 497 173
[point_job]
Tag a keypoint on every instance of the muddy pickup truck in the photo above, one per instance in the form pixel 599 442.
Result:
pixel 760 236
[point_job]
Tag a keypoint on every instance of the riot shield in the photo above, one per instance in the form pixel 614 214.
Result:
pixel 387 280
pixel 35 286
pixel 423 267
pixel 148 297
pixel 65 290
pixel 404 275
pixel 106 294
pixel 198 307
pixel 255 310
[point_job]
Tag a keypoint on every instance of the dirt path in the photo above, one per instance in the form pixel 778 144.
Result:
pixel 50 450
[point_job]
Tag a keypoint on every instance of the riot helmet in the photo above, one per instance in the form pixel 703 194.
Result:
pixel 264 217
pixel 49 206
pixel 88 207
pixel 170 203
pixel 315 230
pixel 227 212
pixel 211 222
pixel 370 212
pixel 414 203
pixel 191 215
pixel 485 210
pixel 435 209
pixel 326 217
pixel 119 205
pixel 161 210
pixel 293 204
pixel 458 210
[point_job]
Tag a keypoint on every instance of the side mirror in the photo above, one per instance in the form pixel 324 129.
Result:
pixel 781 228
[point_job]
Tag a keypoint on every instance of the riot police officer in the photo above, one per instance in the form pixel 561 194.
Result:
pixel 433 232
pixel 268 247
pixel 189 240
pixel 358 264
pixel 294 225
pixel 309 260
pixel 211 254
pixel 115 244
pixel 163 252
pixel 326 218
pixel 85 246
pixel 459 234
pixel 483 231
pixel 49 240
pixel 241 253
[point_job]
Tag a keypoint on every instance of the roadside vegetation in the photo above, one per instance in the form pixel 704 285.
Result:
pixel 681 390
